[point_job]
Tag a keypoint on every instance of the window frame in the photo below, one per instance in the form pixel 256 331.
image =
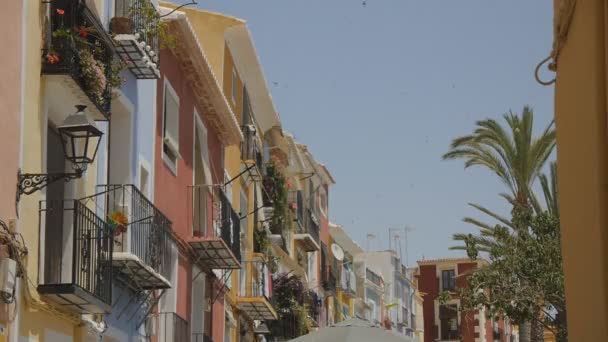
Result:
pixel 451 282
pixel 170 161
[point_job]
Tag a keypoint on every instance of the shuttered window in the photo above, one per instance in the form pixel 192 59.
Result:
pixel 171 127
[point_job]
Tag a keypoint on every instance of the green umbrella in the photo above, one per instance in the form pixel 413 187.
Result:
pixel 353 330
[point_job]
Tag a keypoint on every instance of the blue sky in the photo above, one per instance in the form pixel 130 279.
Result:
pixel 378 91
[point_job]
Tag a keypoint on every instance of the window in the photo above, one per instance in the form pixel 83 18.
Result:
pixel 448 314
pixel 171 128
pixel 202 194
pixel 448 280
pixel 234 86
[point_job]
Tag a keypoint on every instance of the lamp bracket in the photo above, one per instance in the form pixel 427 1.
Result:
pixel 28 183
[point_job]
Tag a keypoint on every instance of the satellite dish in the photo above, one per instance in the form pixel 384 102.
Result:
pixel 337 252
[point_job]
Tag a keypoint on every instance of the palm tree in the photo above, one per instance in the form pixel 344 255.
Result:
pixel 517 158
pixel 514 155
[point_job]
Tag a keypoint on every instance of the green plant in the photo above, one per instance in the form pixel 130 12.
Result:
pixel 97 75
pixel 275 187
pixel 261 241
pixel 153 25
pixel 524 280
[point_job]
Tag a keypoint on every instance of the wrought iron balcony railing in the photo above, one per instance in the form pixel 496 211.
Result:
pixel 142 246
pixel 296 204
pixel 77 46
pixel 253 299
pixel 312 225
pixel 216 228
pixel 76 258
pixel 136 29
pixel 348 281
pixel 172 328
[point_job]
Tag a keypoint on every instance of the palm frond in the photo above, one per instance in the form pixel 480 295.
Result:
pixel 490 213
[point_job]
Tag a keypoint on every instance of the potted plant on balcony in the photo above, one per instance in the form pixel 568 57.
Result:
pixel 117 222
pixel 260 240
pixel 98 70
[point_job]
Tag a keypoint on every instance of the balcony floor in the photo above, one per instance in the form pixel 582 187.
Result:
pixel 307 241
pixel 214 252
pixel 128 49
pixel 144 276
pixel 257 308
pixel 73 298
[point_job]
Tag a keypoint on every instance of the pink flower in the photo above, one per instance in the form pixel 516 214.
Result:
pixel 52 57
pixel 60 11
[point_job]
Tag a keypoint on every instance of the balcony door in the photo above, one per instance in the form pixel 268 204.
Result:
pixel 202 201
pixel 121 142
pixel 54 241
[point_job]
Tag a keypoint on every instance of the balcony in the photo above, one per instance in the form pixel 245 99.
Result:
pixel 314 304
pixel 76 257
pixel 216 228
pixel 142 246
pixel 348 282
pixel 254 302
pixel 172 328
pixel 78 59
pixel 307 234
pixel 135 29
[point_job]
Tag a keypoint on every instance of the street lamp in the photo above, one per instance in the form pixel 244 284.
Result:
pixel 80 138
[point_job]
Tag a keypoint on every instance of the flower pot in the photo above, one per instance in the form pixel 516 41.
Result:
pixel 121 25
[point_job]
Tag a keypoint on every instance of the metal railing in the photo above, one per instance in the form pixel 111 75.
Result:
pixel 295 198
pixel 312 225
pixel 212 215
pixel 148 233
pixel 145 20
pixel 67 50
pixel 172 328
pixel 257 287
pixel 348 281
pixel 231 226
pixel 90 246
pixel 314 304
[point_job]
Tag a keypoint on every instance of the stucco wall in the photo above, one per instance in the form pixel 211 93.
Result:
pixel 11 20
pixel 580 116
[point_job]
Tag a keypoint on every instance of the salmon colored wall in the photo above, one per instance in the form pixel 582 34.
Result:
pixel 171 191
pixel 218 319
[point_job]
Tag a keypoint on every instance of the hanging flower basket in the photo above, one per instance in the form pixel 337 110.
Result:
pixel 118 223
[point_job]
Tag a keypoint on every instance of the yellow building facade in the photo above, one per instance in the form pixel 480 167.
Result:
pixel 581 102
